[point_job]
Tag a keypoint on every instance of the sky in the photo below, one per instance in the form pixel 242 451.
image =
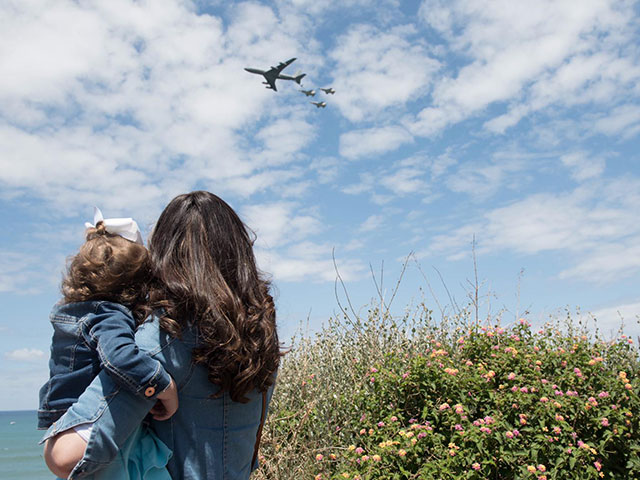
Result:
pixel 505 130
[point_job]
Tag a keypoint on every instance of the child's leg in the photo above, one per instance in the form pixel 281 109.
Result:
pixel 64 451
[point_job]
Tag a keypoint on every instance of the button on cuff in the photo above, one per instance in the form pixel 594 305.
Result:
pixel 150 392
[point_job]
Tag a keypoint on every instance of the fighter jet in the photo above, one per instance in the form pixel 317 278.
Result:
pixel 273 74
pixel 320 104
pixel 309 93
pixel 328 90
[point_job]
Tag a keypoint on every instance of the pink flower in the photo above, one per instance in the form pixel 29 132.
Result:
pixel 511 376
pixel 372 379
pixel 374 370
pixel 524 389
pixel 457 426
pixel 319 457
pixel 444 406
pixel 359 450
pixel 598 465
pixel 394 418
pixel 509 434
pixel 605 422
pixel 544 399
pixel 405 375
pixel 422 435
pixel 475 466
pixel 603 394
pixel 381 424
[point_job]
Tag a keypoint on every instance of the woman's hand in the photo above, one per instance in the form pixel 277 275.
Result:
pixel 167 403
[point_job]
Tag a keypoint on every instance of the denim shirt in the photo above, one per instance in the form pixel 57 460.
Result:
pixel 211 438
pixel 87 338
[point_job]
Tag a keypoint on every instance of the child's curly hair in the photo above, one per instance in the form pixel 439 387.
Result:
pixel 108 267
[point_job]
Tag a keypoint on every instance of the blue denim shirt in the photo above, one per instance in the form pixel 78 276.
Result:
pixel 211 438
pixel 88 337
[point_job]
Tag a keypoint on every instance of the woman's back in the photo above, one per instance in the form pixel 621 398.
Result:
pixel 212 438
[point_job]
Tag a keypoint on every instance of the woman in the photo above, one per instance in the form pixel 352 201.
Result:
pixel 213 329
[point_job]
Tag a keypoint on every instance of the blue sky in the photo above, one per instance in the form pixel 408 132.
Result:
pixel 514 122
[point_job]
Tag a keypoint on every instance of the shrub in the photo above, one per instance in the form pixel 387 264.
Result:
pixel 377 398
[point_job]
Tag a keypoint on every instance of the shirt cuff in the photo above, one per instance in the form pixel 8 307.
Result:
pixel 157 384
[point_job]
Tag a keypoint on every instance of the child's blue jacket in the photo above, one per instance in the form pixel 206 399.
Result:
pixel 89 337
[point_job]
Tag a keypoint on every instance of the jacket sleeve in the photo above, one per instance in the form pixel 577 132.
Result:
pixel 112 334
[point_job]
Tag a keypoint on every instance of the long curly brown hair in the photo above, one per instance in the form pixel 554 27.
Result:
pixel 206 275
pixel 108 267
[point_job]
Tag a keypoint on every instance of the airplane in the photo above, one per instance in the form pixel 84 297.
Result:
pixel 309 93
pixel 328 90
pixel 319 104
pixel 273 74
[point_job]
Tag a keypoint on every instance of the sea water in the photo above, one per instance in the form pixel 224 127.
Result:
pixel 20 454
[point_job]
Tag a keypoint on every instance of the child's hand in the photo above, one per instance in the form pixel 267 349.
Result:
pixel 167 403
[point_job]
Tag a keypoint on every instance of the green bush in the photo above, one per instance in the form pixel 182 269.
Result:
pixel 377 398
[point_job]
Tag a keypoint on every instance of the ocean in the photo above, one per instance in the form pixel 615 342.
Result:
pixel 20 454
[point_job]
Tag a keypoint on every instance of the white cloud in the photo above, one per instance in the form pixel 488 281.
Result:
pixel 279 224
pixel 582 167
pixel 125 103
pixel 326 169
pixel 372 141
pixel 408 178
pixel 19 272
pixel 611 318
pixel 308 261
pixel 623 120
pixel 608 263
pixel 373 222
pixel 378 69
pixel 25 355
pixel 530 53
pixel 482 179
pixel 595 226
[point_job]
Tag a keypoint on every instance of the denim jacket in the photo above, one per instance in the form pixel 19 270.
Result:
pixel 88 337
pixel 211 438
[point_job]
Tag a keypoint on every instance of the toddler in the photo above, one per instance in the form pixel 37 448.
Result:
pixel 93 329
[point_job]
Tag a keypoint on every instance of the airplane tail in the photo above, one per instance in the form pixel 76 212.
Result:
pixel 299 78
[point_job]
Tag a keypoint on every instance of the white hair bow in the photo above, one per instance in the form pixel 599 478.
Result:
pixel 125 227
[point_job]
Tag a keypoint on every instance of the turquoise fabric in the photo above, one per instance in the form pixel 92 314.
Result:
pixel 143 457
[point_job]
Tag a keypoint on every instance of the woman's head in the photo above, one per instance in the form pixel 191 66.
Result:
pixel 108 267
pixel 202 258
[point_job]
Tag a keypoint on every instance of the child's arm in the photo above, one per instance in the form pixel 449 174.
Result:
pixel 112 333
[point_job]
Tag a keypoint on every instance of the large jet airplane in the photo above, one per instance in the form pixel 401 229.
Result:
pixel 309 93
pixel 273 74
pixel 329 91
pixel 320 104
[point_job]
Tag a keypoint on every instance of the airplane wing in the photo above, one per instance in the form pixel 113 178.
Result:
pixel 272 74
pixel 275 71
